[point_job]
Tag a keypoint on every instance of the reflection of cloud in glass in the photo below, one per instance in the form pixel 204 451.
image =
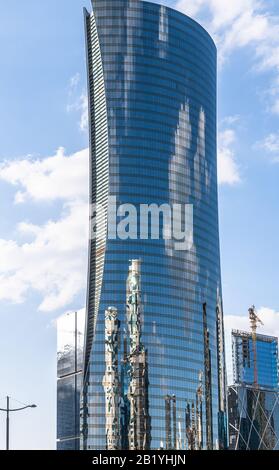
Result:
pixel 70 340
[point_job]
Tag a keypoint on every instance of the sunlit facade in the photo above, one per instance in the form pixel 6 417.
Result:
pixel 70 341
pixel 152 118
pixel 244 360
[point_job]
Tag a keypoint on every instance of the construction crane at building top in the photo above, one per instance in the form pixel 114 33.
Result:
pixel 254 321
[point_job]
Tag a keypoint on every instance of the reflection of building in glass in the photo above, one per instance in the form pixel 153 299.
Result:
pixel 125 402
pixel 222 384
pixel 152 119
pixel 194 419
pixel 254 407
pixel 266 359
pixel 171 420
pixel 139 426
pixel 208 379
pixel 127 419
pixel 111 379
pixel 70 340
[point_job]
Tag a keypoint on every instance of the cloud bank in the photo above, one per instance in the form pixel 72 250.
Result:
pixel 228 169
pixel 53 260
pixel 239 24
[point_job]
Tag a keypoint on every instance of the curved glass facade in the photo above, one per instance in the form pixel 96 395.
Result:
pixel 152 100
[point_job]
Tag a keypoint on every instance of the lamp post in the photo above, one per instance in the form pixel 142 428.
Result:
pixel 9 410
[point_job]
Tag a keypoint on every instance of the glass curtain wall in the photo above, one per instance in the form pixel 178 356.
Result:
pixel 152 115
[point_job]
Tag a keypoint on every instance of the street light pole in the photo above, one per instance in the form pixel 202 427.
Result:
pixel 8 425
pixel 8 410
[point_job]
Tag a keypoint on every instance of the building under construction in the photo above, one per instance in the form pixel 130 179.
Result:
pixel 255 362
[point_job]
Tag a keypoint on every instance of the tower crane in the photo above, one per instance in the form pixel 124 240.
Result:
pixel 254 321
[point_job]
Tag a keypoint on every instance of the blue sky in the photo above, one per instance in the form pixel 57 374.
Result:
pixel 43 138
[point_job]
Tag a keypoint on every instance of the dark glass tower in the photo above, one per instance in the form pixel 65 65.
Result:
pixel 253 405
pixel 152 116
pixel 70 342
pixel 253 418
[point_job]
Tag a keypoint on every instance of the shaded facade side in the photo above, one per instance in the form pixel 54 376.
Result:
pixel 70 342
pixel 253 418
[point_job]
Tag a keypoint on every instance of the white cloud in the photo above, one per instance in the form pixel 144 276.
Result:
pixel 245 30
pixel 237 24
pixel 74 81
pixel 55 177
pixel 230 120
pixel 78 102
pixel 218 13
pixel 191 7
pixel 53 261
pixel 271 145
pixel 83 124
pixel 228 170
pixel 80 105
pixel 275 107
pixel 269 317
pixel 226 12
pixel 233 24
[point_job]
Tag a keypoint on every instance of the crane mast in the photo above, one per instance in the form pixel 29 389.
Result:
pixel 254 321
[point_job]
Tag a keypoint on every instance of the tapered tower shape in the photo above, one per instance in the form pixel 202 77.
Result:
pixel 152 122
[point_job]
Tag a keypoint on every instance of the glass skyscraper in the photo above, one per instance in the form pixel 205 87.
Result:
pixel 253 401
pixel 266 359
pixel 70 342
pixel 154 371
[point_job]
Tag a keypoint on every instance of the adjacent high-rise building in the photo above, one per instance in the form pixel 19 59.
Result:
pixel 70 341
pixel 245 356
pixel 253 400
pixel 152 121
